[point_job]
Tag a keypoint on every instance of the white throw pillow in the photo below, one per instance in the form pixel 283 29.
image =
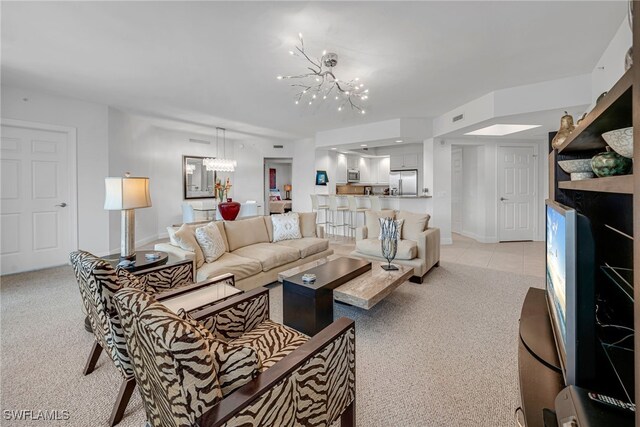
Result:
pixel 211 242
pixel 286 227
pixel 399 223
pixel 186 239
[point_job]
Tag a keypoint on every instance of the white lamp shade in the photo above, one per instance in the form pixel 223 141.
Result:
pixel 126 193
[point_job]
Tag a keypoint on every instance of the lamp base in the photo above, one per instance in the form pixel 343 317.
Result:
pixel 128 235
pixel 389 267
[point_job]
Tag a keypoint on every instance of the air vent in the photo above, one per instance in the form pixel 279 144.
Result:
pixel 278 146
pixel 199 141
pixel 365 149
pixel 457 118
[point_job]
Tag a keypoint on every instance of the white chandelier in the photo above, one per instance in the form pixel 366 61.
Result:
pixel 321 84
pixel 220 164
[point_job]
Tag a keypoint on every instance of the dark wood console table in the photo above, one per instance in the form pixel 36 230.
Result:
pixel 538 365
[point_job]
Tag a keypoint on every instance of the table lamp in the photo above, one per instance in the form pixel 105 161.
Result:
pixel 126 194
pixel 287 189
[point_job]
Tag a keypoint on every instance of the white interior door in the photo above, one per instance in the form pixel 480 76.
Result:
pixel 516 193
pixel 36 214
pixel 456 189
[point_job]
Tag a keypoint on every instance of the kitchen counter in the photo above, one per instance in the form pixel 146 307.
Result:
pixel 418 204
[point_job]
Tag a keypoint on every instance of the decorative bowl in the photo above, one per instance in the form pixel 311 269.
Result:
pixel 579 176
pixel 621 140
pixel 573 166
pixel 609 163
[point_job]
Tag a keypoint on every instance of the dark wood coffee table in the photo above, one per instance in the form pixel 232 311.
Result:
pixel 308 307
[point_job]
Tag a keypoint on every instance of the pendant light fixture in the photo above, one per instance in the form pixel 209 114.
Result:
pixel 220 164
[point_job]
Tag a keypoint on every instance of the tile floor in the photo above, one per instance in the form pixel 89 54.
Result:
pixel 516 257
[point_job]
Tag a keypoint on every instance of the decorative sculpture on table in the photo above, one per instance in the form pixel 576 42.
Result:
pixel 389 235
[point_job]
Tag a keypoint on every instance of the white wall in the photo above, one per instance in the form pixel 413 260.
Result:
pixel 610 66
pixel 283 174
pixel 303 174
pixel 90 120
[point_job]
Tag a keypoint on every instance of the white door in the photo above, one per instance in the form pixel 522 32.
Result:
pixel 36 214
pixel 456 189
pixel 516 193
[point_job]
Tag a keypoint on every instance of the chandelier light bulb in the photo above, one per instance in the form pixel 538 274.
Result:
pixel 346 93
pixel 324 52
pixel 309 102
pixel 279 77
pixel 361 84
pixel 336 97
pixel 300 36
pixel 366 91
pixel 357 78
pixel 317 79
pixel 290 52
pixel 339 108
pixel 324 97
pixel 362 111
pixel 304 91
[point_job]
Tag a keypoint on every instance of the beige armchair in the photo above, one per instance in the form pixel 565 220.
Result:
pixel 419 246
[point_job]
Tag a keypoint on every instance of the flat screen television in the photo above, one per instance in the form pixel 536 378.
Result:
pixel 570 258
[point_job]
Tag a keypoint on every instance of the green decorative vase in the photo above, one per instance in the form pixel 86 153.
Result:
pixel 610 163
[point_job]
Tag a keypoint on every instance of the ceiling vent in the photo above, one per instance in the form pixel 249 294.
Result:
pixel 199 141
pixel 457 118
pixel 278 146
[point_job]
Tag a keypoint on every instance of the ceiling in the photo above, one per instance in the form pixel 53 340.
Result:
pixel 215 63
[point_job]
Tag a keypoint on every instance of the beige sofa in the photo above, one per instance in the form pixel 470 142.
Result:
pixel 250 252
pixel 419 246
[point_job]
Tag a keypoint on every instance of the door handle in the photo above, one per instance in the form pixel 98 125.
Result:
pixel 62 205
pixel 502 199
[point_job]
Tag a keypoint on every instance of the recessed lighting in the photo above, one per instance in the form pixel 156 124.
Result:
pixel 501 130
pixel 363 145
pixel 333 148
pixel 398 140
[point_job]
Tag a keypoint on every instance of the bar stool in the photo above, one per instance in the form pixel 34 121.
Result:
pixel 316 207
pixel 353 214
pixel 375 203
pixel 334 209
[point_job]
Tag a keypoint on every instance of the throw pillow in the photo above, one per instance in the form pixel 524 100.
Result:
pixel 371 218
pixel 399 224
pixel 308 224
pixel 414 224
pixel 171 231
pixel 235 365
pixel 211 242
pixel 286 227
pixel 186 239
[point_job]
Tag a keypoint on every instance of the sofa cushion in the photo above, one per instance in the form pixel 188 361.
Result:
pixel 185 237
pixel 308 224
pixel 414 224
pixel 307 245
pixel 269 225
pixel 229 263
pixel 171 231
pixel 210 241
pixel 286 227
pixel 407 249
pixel 245 232
pixel 372 217
pixel 272 341
pixel 268 254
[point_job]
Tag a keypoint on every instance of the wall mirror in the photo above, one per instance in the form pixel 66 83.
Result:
pixel 198 182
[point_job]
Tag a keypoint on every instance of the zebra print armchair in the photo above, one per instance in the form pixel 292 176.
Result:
pixel 183 381
pixel 98 282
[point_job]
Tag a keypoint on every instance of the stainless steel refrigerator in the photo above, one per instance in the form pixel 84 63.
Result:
pixel 403 183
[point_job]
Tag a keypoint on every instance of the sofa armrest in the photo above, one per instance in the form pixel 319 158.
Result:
pixel 329 354
pixel 237 315
pixel 227 278
pixel 169 276
pixel 177 252
pixel 429 246
pixel 362 233
pixel 320 231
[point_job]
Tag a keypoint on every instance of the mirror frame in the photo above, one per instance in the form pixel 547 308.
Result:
pixel 184 178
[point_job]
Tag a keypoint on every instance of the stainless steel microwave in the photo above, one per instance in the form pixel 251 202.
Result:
pixel 353 175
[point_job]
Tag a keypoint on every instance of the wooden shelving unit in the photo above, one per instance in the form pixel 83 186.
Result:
pixel 612 112
pixel 622 184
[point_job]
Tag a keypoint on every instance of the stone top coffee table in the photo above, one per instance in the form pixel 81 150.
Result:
pixel 308 307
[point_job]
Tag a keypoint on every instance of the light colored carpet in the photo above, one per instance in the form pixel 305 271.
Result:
pixel 443 353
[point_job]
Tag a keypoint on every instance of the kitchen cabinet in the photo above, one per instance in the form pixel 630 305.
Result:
pixel 364 166
pixel 353 162
pixel 405 161
pixel 341 169
pixel 383 168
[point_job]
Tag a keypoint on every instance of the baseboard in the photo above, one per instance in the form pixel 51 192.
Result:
pixel 478 238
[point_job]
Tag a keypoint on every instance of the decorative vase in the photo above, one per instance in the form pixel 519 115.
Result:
pixel 229 210
pixel 610 163
pixel 566 127
pixel 389 241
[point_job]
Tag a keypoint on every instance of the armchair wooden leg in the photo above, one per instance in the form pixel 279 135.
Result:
pixel 348 417
pixel 96 350
pixel 126 389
